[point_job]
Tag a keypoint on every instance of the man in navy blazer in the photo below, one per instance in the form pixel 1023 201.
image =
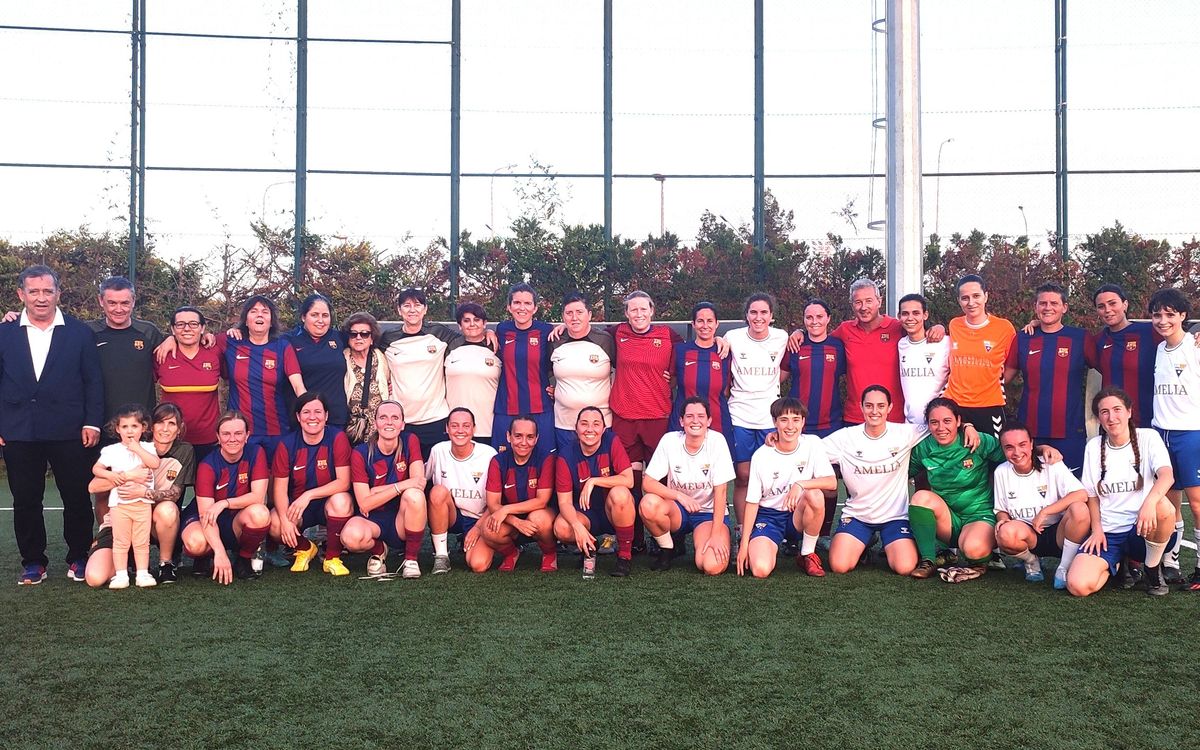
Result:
pixel 51 411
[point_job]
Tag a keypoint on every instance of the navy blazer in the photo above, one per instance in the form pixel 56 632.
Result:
pixel 70 393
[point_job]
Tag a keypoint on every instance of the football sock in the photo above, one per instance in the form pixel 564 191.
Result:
pixel 303 543
pixel 412 543
pixel 808 544
pixel 1068 554
pixel 250 540
pixel 665 541
pixel 624 542
pixel 439 544
pixel 548 547
pixel 333 538
pixel 924 530
pixel 1026 557
pixel 378 548
pixel 1154 552
pixel 830 509
pixel 1172 559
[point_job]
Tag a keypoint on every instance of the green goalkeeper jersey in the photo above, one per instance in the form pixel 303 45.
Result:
pixel 962 478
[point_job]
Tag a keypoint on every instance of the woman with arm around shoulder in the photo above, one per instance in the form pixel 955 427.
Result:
pixel 1127 473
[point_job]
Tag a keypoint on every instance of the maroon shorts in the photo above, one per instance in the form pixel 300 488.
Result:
pixel 639 437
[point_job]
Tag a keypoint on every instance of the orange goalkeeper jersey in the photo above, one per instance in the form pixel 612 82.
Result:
pixel 977 361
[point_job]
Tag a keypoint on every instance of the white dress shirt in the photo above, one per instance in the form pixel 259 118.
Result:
pixel 39 340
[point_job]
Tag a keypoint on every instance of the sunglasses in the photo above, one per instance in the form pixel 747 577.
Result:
pixel 360 334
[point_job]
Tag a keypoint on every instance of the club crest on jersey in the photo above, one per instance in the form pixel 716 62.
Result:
pixel 831 357
pixel 1042 489
pixel 968 463
pixel 322 464
pixel 704 469
pixel 333 344
pixel 269 364
pixel 604 471
pixel 401 466
pixel 716 365
pixel 476 475
pixel 1179 368
pixel 431 349
pixel 885 337
pixel 657 343
pixel 171 474
pixel 533 340
pixel 533 483
pixel 800 466
pixel 928 358
pixel 987 345
pixel 594 358
pixel 1131 346
pixel 139 344
pixel 894 451
pixel 206 366
pixel 489 362
pixel 243 478
pixel 1063 351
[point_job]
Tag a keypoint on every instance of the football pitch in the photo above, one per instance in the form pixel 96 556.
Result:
pixel 658 660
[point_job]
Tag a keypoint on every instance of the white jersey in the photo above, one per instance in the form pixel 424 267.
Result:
pixel 754 370
pixel 118 458
pixel 466 478
pixel 924 369
pixel 772 472
pixel 582 376
pixel 472 376
pixel 875 470
pixel 696 474
pixel 1177 385
pixel 417 363
pixel 1022 496
pixel 1120 502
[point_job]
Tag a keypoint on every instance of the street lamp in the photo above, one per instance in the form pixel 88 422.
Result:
pixel 266 190
pixel 937 191
pixel 1026 221
pixel 662 204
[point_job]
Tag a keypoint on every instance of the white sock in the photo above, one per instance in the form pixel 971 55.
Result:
pixel 1172 559
pixel 665 541
pixel 808 544
pixel 1026 557
pixel 439 544
pixel 1154 552
pixel 1069 550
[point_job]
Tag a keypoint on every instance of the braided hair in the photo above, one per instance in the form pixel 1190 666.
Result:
pixel 1123 397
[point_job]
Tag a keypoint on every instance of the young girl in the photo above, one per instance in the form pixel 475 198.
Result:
pixel 1127 473
pixel 120 463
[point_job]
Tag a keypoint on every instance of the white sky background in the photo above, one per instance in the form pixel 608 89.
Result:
pixel 532 88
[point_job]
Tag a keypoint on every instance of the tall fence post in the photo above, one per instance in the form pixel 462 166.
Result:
pixel 301 208
pixel 455 165
pixel 608 121
pixel 134 52
pixel 1060 127
pixel 760 182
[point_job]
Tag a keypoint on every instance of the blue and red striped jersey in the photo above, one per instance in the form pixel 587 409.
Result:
pixel 518 483
pixel 1125 359
pixel 223 480
pixel 307 466
pixel 375 469
pixel 524 368
pixel 701 372
pixel 1054 369
pixel 574 468
pixel 258 381
pixel 817 371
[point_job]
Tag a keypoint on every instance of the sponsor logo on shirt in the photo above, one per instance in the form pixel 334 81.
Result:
pixel 298 468
pixel 101 343
pixel 139 344
pixel 173 367
pixel 894 451
pixel 1031 351
pixel 380 476
pixel 689 363
pixel 1013 496
pixel 1109 346
pixel 801 357
pixel 241 356
pixel 509 486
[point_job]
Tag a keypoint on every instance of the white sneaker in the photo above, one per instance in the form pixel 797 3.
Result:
pixel 377 564
pixel 145 579
pixel 441 564
pixel 1033 571
pixel 410 569
pixel 120 580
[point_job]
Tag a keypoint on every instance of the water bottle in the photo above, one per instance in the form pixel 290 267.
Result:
pixel 589 567
pixel 256 562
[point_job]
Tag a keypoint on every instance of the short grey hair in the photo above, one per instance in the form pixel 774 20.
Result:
pixel 864 283
pixel 36 272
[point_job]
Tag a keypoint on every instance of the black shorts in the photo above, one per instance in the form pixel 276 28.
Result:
pixel 986 419
pixel 104 538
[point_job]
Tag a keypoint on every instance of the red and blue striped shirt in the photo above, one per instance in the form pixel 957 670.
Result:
pixel 701 372
pixel 258 381
pixel 524 368
pixel 1054 371
pixel 518 483
pixel 1125 359
pixel 817 371
pixel 309 466
pixel 225 480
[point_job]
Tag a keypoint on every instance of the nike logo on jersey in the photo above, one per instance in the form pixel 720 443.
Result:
pixel 624 340
pixel 689 363
pixel 298 468
pixel 802 358
pixel 509 486
pixel 380 476
pixel 1034 351
pixel 101 343
pixel 1108 346
pixel 222 486
pixel 241 356
pixel 172 367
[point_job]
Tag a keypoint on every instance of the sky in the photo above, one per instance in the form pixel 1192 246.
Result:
pixel 532 93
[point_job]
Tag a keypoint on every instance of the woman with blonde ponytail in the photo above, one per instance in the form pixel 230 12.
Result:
pixel 1127 473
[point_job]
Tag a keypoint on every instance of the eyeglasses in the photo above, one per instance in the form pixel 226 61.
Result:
pixel 187 325
pixel 360 334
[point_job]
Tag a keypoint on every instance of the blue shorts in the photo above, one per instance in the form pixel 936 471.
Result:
pixel 1184 447
pixel 689 521
pixel 268 442
pixel 314 515
pixel 1071 449
pixel 1047 542
pixel 775 525
pixel 191 514
pixel 1125 544
pixel 892 531
pixel 562 439
pixel 596 514
pixel 500 423
pixel 746 440
pixel 385 518
pixel 462 524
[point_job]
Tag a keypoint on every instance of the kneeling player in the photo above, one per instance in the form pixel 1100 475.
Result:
pixel 1041 509
pixel 684 490
pixel 388 477
pixel 785 496
pixel 230 509
pixel 310 485
pixel 520 482
pixel 593 481
pixel 458 468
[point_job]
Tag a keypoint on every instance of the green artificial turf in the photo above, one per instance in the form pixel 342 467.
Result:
pixel 659 660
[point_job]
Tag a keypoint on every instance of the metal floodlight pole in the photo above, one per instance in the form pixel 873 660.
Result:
pixel 141 183
pixel 760 183
pixel 455 166
pixel 608 121
pixel 904 233
pixel 134 50
pixel 1060 125
pixel 301 207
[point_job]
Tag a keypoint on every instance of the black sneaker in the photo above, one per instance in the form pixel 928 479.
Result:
pixel 663 560
pixel 789 548
pixel 166 573
pixel 1127 577
pixel 680 544
pixel 242 569
pixel 622 569
pixel 202 567
pixel 1156 584
pixel 1173 576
